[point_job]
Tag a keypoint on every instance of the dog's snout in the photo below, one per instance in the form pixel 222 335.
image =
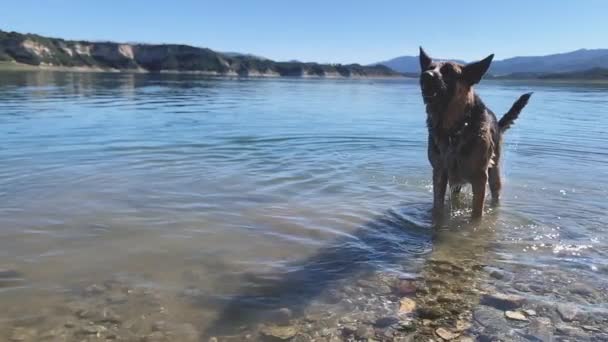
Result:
pixel 428 75
pixel 428 78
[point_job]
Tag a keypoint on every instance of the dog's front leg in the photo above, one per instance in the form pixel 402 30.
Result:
pixel 479 194
pixel 440 184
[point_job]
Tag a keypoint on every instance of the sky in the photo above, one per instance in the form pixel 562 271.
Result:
pixel 330 31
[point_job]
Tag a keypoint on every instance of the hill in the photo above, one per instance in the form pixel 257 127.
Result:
pixel 39 51
pixel 578 60
pixel 524 67
pixel 406 64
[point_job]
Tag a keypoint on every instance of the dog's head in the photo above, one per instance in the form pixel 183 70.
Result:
pixel 441 81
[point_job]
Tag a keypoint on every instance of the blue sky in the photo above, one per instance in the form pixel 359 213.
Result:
pixel 339 31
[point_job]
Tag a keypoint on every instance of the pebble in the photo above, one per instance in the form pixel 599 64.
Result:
pixel 280 333
pixel 590 328
pixel 281 316
pixel 109 316
pixel 567 312
pixel 325 332
pixel 183 332
pixel 332 296
pixel 582 289
pixel 155 337
pixel 462 325
pixel 9 273
pixel 383 290
pixel 117 298
pixel 347 319
pixel 407 306
pixel 522 287
pixel 53 333
pixel 541 328
pixel 159 326
pixel 446 334
pixel 365 332
pixel 388 334
pixel 21 334
pixel 515 315
pixel 530 312
pixel 407 325
pixel 567 330
pixel 466 339
pixel 84 314
pixel 92 329
pixel 94 290
pixel 386 321
pixel 405 288
pixel 492 319
pixel 194 275
pixel 348 330
pixel 448 298
pixel 495 273
pixel 503 301
pixel 300 338
pixel 334 339
pixel 539 288
pixel 430 312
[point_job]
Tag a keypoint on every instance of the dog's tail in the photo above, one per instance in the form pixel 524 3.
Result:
pixel 507 120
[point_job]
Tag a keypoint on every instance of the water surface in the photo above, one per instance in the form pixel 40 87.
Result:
pixel 229 198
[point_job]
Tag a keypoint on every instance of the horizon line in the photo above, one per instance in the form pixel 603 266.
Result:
pixel 263 56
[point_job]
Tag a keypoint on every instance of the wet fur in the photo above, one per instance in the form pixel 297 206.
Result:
pixel 464 140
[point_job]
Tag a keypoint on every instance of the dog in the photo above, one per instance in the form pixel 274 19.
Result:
pixel 464 136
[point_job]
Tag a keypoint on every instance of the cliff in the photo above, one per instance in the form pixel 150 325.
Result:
pixel 39 51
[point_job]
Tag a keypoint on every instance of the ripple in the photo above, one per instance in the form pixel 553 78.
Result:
pixel 277 185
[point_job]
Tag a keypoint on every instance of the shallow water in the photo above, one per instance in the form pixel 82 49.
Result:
pixel 225 199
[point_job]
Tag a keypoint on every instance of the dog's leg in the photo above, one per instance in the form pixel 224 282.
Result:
pixel 479 194
pixel 455 196
pixel 440 184
pixel 495 183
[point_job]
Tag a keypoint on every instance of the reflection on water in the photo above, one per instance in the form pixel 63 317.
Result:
pixel 229 203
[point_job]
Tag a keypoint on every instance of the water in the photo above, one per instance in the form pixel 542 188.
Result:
pixel 220 200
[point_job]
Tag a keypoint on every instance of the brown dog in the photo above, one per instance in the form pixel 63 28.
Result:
pixel 464 135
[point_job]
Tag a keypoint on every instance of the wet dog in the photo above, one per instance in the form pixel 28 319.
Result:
pixel 464 135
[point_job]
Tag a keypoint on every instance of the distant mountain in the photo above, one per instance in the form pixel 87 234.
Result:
pixel 595 74
pixel 579 60
pixel 53 53
pixel 406 64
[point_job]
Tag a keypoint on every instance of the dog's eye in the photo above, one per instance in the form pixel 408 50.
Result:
pixel 447 70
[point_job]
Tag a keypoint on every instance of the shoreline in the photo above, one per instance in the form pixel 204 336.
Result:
pixel 15 66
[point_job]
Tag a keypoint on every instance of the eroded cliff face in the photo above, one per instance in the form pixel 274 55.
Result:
pixel 41 51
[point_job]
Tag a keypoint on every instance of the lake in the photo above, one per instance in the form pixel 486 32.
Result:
pixel 180 207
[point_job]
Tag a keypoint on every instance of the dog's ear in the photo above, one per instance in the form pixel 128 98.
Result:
pixel 425 60
pixel 473 72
